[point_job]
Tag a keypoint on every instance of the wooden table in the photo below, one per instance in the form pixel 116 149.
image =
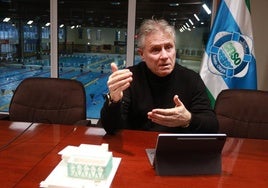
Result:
pixel 30 159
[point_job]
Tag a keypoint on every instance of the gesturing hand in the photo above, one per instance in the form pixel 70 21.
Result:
pixel 118 81
pixel 171 117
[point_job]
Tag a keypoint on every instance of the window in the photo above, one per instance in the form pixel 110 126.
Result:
pixel 91 35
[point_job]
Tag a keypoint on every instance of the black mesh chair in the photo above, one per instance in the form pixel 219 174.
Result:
pixel 243 113
pixel 49 100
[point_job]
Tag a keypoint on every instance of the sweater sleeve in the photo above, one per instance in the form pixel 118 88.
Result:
pixel 110 117
pixel 114 116
pixel 203 119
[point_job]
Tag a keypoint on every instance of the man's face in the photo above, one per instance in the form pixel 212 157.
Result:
pixel 159 53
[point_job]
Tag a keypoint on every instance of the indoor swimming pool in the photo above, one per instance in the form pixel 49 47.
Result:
pixel 91 70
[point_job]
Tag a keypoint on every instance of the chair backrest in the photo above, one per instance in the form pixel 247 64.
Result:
pixel 243 113
pixel 48 100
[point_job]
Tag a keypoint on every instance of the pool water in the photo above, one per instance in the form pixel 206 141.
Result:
pixel 91 70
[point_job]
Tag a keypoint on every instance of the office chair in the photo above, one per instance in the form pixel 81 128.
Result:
pixel 49 100
pixel 243 113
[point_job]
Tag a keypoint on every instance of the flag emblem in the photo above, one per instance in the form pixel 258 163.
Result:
pixel 230 54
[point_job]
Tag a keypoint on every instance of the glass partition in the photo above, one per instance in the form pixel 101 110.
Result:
pixel 24 44
pixel 95 37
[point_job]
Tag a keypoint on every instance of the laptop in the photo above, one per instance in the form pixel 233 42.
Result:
pixel 187 154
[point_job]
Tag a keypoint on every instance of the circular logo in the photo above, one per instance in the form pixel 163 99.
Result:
pixel 230 54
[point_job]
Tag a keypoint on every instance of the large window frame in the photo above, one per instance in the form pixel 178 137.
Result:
pixel 54 35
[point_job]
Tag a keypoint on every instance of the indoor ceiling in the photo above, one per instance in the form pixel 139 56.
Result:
pixel 105 13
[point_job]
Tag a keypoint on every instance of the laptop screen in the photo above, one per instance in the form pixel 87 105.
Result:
pixel 187 153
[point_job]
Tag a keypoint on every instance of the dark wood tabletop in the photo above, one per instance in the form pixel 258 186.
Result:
pixel 30 158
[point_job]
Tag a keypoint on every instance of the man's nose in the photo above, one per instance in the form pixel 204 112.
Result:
pixel 164 54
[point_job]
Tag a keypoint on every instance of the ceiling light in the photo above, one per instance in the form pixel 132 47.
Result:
pixel 30 22
pixel 116 3
pixel 173 4
pixel 196 17
pixel 6 19
pixel 47 24
pixel 62 25
pixel 191 21
pixel 206 8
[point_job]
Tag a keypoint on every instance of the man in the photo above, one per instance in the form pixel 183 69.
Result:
pixel 157 94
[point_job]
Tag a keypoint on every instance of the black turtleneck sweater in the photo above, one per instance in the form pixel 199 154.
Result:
pixel 148 91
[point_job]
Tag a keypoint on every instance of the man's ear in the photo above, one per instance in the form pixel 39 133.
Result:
pixel 140 52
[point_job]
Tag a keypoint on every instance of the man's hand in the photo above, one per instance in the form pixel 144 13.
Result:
pixel 118 81
pixel 178 116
